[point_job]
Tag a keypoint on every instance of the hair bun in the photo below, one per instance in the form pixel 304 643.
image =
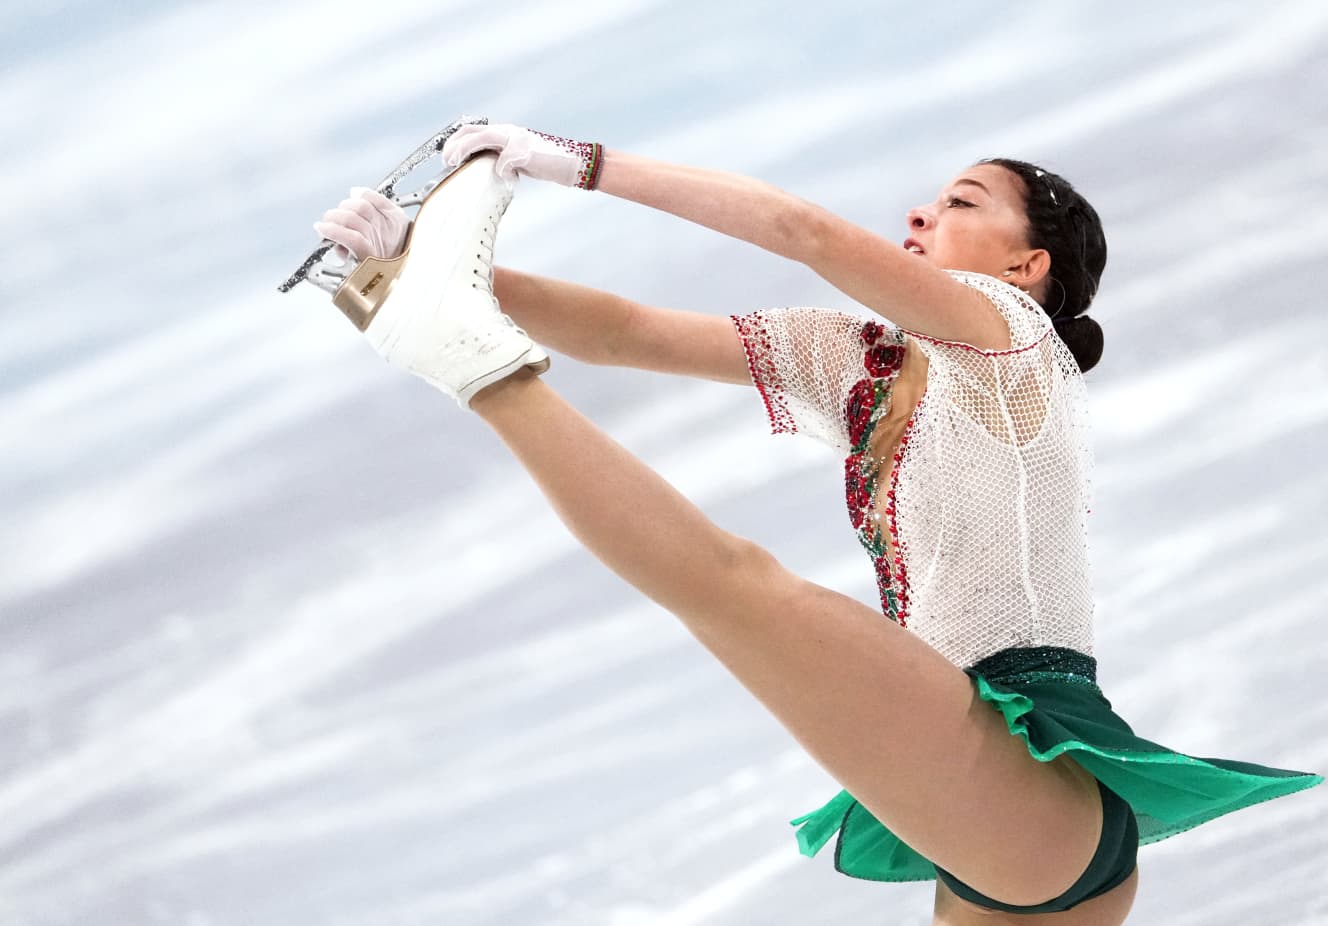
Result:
pixel 1083 336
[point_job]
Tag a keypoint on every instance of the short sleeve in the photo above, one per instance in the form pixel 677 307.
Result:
pixel 806 364
pixel 1026 321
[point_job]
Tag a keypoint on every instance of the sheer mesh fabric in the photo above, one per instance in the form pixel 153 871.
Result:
pixel 804 362
pixel 977 525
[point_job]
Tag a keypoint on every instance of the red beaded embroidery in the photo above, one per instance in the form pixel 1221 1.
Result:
pixel 590 153
pixel 901 570
pixel 867 403
pixel 756 344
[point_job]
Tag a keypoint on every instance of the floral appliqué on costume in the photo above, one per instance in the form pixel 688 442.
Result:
pixel 868 402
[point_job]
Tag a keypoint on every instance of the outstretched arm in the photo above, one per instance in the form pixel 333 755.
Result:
pixel 598 327
pixel 877 273
pixel 585 323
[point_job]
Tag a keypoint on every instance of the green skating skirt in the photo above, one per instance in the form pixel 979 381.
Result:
pixel 1049 697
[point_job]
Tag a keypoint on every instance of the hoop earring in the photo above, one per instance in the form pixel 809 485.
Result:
pixel 1064 296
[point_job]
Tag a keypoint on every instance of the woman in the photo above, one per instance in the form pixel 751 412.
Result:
pixel 967 730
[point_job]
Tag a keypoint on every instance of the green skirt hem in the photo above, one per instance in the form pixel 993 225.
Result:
pixel 1057 712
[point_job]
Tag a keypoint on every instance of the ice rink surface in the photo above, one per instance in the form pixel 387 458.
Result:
pixel 285 638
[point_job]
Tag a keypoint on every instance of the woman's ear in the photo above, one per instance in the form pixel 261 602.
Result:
pixel 1033 270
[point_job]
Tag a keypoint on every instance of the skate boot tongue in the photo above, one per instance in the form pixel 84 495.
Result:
pixel 439 318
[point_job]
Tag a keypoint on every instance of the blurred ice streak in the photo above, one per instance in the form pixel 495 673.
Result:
pixel 285 638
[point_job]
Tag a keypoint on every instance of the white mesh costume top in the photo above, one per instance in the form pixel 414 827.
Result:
pixel 977 522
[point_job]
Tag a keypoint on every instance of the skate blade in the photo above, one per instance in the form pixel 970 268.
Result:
pixel 329 277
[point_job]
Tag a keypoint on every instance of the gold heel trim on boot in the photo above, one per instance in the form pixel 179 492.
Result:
pixel 367 288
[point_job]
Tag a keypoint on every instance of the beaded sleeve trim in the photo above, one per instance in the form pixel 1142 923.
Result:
pixel 979 350
pixel 1028 328
pixel 754 332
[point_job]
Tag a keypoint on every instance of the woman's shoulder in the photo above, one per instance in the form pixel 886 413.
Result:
pixel 1028 324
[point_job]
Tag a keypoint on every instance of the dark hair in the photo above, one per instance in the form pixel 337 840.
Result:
pixel 1064 224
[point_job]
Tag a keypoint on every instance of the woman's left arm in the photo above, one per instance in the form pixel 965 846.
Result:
pixel 877 273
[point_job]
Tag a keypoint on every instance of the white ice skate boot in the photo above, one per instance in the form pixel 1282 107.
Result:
pixel 431 309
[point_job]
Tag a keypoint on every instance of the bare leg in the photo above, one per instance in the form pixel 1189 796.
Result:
pixel 888 716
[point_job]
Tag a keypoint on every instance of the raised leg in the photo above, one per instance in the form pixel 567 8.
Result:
pixel 888 716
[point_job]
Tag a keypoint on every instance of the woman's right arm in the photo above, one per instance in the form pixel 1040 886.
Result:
pixel 598 327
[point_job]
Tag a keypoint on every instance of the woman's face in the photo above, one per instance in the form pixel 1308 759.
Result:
pixel 978 223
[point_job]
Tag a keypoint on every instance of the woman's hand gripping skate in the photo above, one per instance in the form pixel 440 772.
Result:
pixel 368 224
pixel 430 309
pixel 525 151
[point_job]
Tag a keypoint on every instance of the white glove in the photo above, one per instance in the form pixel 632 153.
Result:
pixel 543 157
pixel 367 225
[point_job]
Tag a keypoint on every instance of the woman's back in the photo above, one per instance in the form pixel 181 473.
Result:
pixel 992 490
pixel 966 470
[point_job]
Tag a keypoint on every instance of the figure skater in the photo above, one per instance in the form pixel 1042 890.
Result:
pixel 967 728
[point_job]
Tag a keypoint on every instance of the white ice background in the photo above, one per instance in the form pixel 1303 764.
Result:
pixel 285 638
